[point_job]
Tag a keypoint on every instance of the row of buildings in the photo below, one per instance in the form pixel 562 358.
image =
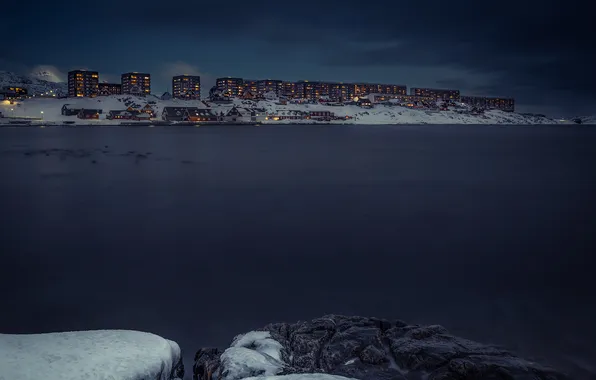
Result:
pixel 83 83
pixel 232 115
pixel 344 92
pixel 307 90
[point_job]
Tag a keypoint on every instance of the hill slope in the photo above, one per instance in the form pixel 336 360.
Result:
pixel 380 114
pixel 39 83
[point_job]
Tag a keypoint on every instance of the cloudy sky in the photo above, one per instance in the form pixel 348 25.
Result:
pixel 541 53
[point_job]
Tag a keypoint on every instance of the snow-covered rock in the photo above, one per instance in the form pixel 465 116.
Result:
pixel 252 354
pixel 365 349
pixel 89 355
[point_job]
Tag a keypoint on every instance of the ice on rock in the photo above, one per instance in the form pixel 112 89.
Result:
pixel 252 354
pixel 89 355
pixel 260 341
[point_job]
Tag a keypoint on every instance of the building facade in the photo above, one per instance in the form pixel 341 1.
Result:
pixel 12 92
pixel 311 90
pixel 504 104
pixel 270 85
pixel 136 84
pixel 230 86
pixel 82 83
pixel 105 89
pixel 251 85
pixel 442 94
pixel 289 89
pixel 340 92
pixel 186 87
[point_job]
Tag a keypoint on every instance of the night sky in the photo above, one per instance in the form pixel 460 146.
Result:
pixel 541 53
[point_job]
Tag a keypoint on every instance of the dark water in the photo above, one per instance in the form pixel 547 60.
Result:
pixel 490 231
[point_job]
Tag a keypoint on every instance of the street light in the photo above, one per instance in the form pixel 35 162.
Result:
pixel 41 115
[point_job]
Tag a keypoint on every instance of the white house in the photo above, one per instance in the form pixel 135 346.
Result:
pixel 244 115
pixel 271 95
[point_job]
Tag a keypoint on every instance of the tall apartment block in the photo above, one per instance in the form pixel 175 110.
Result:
pixel 231 86
pixel 435 93
pixel 82 83
pixel 186 87
pixel 136 84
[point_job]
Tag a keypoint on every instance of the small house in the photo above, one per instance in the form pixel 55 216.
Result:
pixel 244 115
pixel 166 96
pixel 287 115
pixel 119 115
pixel 174 114
pixel 200 114
pixel 148 109
pixel 248 95
pixel 271 95
pixel 142 116
pixel 67 110
pixel 88 114
pixel 366 103
pixel 321 115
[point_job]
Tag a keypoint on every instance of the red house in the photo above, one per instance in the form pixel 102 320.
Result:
pixel 88 114
pixel 321 115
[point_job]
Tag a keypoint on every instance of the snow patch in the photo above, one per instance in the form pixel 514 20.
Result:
pixel 252 354
pixel 300 376
pixel 260 341
pixel 89 355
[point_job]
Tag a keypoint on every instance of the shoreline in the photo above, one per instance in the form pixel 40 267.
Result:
pixel 267 124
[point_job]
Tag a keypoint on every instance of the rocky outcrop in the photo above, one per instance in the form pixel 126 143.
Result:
pixel 371 348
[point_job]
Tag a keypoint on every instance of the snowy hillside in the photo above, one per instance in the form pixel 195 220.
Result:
pixel 35 83
pixel 587 119
pixel 89 355
pixel 50 110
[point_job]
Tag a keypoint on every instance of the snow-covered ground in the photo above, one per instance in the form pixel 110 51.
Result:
pixel 89 355
pixel 50 110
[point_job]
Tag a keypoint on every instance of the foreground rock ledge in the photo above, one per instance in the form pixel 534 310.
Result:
pixel 365 349
pixel 89 355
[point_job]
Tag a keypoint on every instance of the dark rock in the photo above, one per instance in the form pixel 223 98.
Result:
pixel 206 363
pixel 178 370
pixel 372 348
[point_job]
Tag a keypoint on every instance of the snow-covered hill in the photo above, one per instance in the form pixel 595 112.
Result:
pixel 586 119
pixel 50 110
pixel 35 83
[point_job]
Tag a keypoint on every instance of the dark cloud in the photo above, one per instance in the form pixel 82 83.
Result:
pixel 521 49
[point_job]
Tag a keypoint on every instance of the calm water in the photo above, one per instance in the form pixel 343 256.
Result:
pixel 490 231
